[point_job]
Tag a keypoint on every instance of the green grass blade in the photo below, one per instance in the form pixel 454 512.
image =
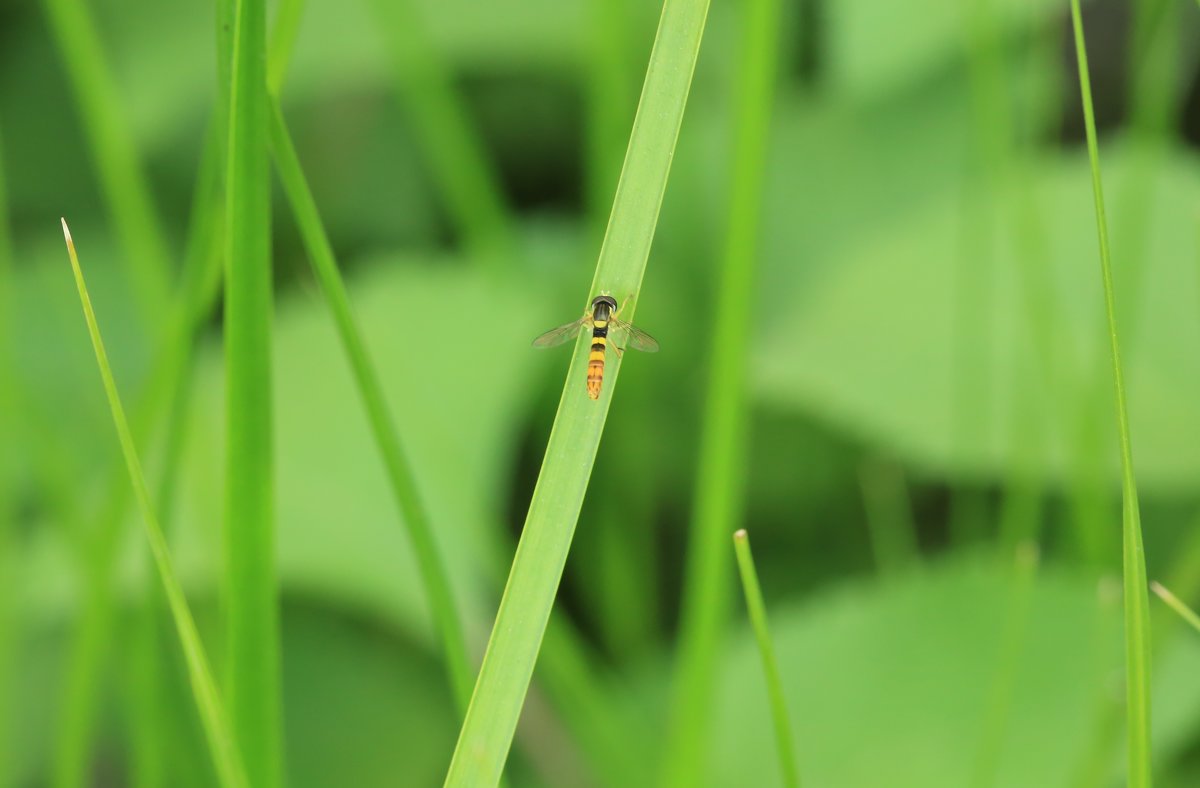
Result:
pixel 251 589
pixel 221 744
pixel 150 680
pixel 487 732
pixel 9 610
pixel 758 618
pixel 1177 604
pixel 1094 768
pixel 469 184
pixel 720 476
pixel 1137 606
pixel 433 572
pixel 112 147
pixel 283 42
pixel 147 674
pixel 98 553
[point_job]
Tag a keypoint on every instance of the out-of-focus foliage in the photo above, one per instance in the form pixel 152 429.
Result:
pixel 867 247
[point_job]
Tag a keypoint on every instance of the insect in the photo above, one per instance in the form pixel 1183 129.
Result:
pixel 602 317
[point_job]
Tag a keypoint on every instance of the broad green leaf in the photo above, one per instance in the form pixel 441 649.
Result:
pixel 872 348
pixel 876 48
pixel 888 683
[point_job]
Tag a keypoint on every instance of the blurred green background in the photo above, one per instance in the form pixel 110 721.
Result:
pixel 929 383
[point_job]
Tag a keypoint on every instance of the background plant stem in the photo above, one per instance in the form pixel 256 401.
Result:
pixel 721 472
pixel 1137 613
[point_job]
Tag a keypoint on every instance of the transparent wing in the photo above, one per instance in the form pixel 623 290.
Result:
pixel 564 333
pixel 634 337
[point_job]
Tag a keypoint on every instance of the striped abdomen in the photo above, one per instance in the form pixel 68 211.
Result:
pixel 595 370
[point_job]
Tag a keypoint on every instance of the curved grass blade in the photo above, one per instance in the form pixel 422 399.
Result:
pixel 537 568
pixel 1095 767
pixel 758 618
pixel 221 745
pixel 720 474
pixel 1176 604
pixel 121 178
pixel 429 563
pixel 98 551
pixel 1137 609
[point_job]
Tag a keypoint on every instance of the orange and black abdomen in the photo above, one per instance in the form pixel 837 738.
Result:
pixel 595 371
pixel 602 311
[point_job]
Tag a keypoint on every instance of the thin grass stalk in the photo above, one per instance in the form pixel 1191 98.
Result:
pixel 1176 604
pixel 200 281
pixel 724 432
pixel 221 743
pixel 994 133
pixel 89 651
pixel 98 551
pixel 1153 98
pixel 1058 367
pixel 1021 510
pixel 1094 769
pixel 1137 625
pixel 762 634
pixel 973 306
pixel 283 43
pixel 9 567
pixel 1153 87
pixel 434 577
pixel 251 589
pixel 537 568
pixel 121 179
pixel 149 672
pixel 460 166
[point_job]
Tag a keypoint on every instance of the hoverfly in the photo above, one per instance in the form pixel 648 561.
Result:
pixel 602 317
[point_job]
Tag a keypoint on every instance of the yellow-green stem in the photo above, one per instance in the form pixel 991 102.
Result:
pixel 220 741
pixel 758 618
pixel 721 470
pixel 250 590
pixel 1137 625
